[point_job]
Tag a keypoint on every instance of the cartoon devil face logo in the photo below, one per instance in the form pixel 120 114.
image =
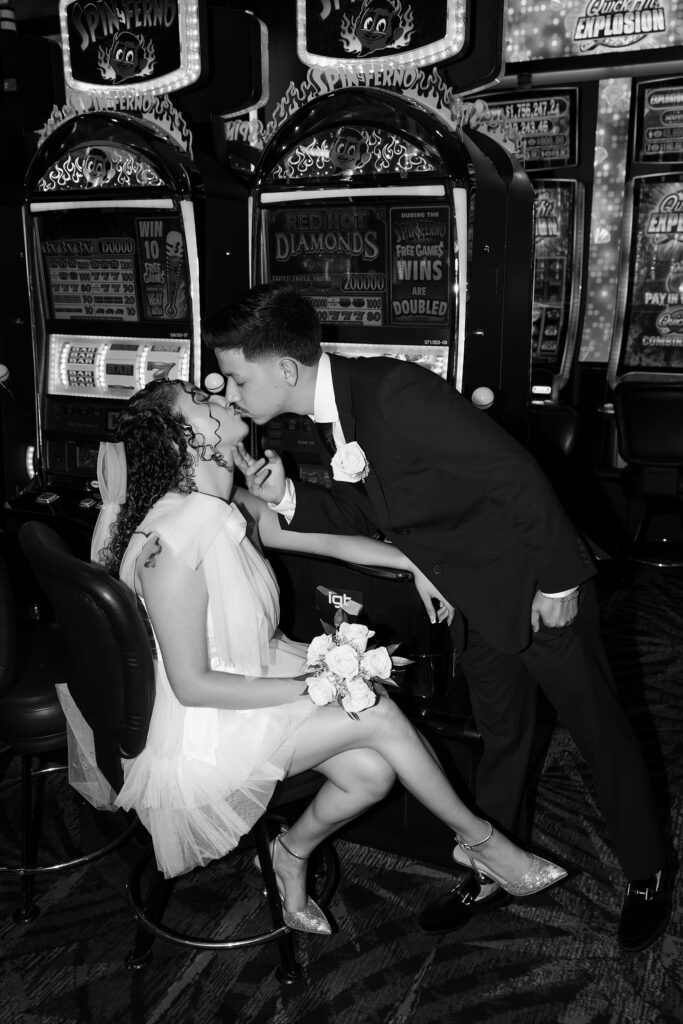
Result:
pixel 349 150
pixel 128 56
pixel 380 25
pixel 97 168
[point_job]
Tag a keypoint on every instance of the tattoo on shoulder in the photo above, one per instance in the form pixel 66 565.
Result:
pixel 151 559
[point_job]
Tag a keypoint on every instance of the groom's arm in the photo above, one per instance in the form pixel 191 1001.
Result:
pixel 308 508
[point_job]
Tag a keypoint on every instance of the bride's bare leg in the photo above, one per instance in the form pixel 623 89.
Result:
pixel 388 732
pixel 356 780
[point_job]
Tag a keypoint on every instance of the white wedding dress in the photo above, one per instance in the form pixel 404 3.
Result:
pixel 206 775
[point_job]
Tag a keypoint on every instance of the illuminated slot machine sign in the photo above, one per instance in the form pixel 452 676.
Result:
pixel 545 124
pixel 648 335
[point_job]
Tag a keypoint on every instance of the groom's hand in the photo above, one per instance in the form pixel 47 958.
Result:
pixel 552 611
pixel 265 478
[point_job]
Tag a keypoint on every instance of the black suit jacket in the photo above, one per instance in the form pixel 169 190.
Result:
pixel 464 500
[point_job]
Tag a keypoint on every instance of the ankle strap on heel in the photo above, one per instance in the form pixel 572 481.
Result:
pixel 470 846
pixel 287 849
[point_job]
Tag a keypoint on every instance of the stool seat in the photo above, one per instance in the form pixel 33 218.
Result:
pixel 31 717
pixel 649 419
pixel 32 724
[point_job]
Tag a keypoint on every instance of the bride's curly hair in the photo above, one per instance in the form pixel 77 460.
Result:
pixel 160 452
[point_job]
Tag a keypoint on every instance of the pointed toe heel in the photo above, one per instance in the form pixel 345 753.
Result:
pixel 311 919
pixel 541 874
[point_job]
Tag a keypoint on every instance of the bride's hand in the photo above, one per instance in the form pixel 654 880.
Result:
pixel 265 478
pixel 444 610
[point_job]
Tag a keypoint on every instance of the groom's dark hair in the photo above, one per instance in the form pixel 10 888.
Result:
pixel 266 321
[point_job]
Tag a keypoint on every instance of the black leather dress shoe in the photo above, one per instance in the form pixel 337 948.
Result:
pixel 646 911
pixel 458 906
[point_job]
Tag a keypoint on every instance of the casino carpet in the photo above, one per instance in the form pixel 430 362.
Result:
pixel 550 959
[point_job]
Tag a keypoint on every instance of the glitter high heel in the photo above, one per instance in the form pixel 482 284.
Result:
pixel 540 875
pixel 312 918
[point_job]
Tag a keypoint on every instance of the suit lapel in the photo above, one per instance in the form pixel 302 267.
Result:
pixel 341 382
pixel 344 395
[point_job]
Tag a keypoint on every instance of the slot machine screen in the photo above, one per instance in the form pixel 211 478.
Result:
pixel 115 267
pixel 557 245
pixel 652 335
pixel 378 273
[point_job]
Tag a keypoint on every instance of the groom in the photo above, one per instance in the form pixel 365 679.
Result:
pixel 468 504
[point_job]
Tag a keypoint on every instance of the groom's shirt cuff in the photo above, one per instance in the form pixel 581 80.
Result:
pixel 287 505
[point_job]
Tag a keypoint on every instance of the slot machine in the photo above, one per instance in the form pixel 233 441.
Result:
pixel 555 129
pixel 126 235
pixel 401 234
pixel 645 370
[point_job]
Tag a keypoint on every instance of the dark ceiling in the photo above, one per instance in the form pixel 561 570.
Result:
pixel 26 9
pixel 37 16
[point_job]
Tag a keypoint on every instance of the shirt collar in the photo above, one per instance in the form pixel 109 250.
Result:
pixel 324 403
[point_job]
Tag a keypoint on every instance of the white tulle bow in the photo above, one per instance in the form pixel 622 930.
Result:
pixel 112 477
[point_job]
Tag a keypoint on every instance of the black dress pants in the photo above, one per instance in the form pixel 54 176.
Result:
pixel 571 667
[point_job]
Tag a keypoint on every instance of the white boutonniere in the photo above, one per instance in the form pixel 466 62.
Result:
pixel 350 463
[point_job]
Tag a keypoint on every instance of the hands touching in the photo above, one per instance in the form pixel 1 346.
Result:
pixel 265 477
pixel 552 611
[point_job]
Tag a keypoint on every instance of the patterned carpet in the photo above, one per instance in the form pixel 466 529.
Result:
pixel 550 959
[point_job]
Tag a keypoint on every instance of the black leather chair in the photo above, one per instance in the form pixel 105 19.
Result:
pixel 32 725
pixel 649 420
pixel 110 660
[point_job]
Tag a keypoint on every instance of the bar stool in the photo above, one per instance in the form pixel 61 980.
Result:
pixel 32 725
pixel 110 659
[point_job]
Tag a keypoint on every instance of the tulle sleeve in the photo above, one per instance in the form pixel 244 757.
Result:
pixel 112 478
pixel 208 534
pixel 190 531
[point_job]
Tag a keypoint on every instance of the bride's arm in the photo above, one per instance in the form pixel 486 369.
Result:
pixel 176 599
pixel 356 549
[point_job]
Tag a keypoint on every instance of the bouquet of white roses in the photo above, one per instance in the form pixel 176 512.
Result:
pixel 343 669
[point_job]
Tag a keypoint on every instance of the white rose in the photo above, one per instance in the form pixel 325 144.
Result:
pixel 343 661
pixel 321 690
pixel 377 663
pixel 318 648
pixel 356 634
pixel 350 464
pixel 359 697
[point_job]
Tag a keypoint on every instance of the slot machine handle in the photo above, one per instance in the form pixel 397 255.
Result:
pixel 482 398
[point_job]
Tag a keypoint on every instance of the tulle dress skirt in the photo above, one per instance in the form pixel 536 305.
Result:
pixel 206 775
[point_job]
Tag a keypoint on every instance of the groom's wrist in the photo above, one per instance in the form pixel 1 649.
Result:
pixel 286 506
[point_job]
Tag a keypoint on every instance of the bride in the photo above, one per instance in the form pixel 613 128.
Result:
pixel 231 717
